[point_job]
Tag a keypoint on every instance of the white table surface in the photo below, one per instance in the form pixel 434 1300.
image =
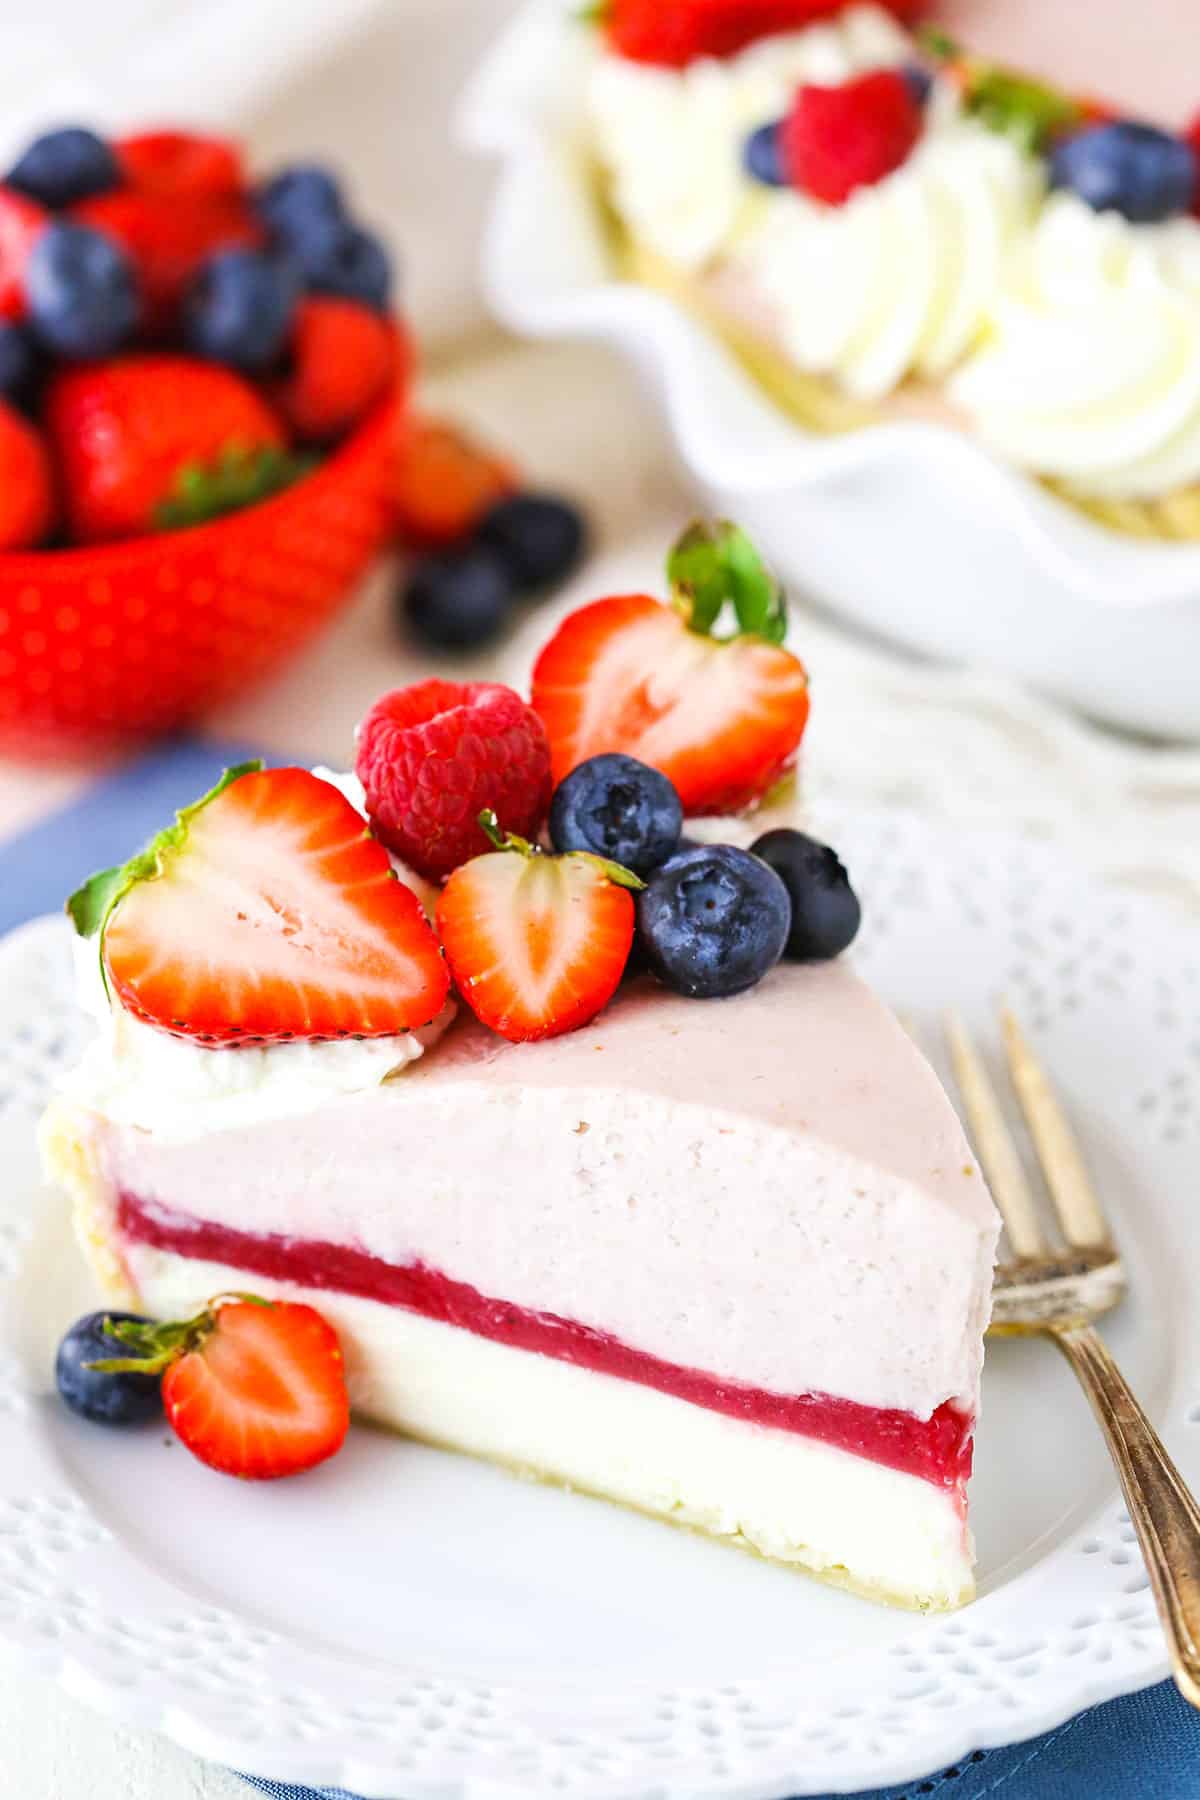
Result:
pixel 960 745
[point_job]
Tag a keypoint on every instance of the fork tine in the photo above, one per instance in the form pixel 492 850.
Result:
pixel 1079 1212
pixel 994 1144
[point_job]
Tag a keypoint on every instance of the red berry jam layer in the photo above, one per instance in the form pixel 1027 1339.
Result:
pixel 937 1449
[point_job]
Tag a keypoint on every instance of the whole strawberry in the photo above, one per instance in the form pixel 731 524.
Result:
pixel 26 483
pixel 432 757
pixel 720 716
pixel 673 33
pixel 342 358
pixel 130 434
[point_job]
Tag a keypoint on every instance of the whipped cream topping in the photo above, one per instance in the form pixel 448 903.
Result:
pixel 897 281
pixel 1091 370
pixel 139 1076
pixel 671 140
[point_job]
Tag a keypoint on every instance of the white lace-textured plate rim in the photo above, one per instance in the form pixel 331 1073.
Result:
pixel 545 274
pixel 1110 986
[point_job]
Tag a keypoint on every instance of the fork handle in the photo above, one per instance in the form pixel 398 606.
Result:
pixel 1164 1515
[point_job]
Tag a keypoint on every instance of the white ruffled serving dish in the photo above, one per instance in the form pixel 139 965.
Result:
pixel 909 529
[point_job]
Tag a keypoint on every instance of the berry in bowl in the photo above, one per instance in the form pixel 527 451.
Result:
pixel 203 393
pixel 870 273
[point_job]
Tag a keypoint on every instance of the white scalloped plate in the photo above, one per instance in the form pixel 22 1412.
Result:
pixel 408 1622
pixel 910 529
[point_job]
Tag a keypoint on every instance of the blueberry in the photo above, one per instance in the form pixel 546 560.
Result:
pixel 825 909
pixel 337 257
pixel 239 309
pixel 106 1398
pixel 458 599
pixel 617 807
pixel 539 536
pixel 713 920
pixel 762 156
pixel 82 293
pixel 62 166
pixel 918 80
pixel 18 362
pixel 299 195
pixel 1136 170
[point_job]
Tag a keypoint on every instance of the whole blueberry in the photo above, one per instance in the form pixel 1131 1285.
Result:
pixel 66 165
pixel 1136 170
pixel 762 156
pixel 539 536
pixel 239 309
pixel 457 599
pixel 18 361
pixel 337 257
pixel 81 290
pixel 617 807
pixel 295 197
pixel 108 1399
pixel 713 920
pixel 918 80
pixel 825 911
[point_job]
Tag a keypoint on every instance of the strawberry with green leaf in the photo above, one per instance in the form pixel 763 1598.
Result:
pixel 537 944
pixel 719 712
pixel 266 914
pixel 150 442
pixel 254 1388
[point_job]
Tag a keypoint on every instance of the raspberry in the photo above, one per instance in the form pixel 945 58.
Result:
pixel 431 757
pixel 837 139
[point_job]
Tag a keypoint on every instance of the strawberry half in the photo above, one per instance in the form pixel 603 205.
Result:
pixel 254 1388
pixel 536 944
pixel 673 33
pixel 721 717
pixel 266 913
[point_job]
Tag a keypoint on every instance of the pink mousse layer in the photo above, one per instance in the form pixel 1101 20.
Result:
pixel 937 1449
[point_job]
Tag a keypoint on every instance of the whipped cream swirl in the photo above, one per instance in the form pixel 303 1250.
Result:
pixel 1091 371
pixel 896 282
pixel 139 1076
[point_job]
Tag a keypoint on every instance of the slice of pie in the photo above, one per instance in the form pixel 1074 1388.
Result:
pixel 727 1260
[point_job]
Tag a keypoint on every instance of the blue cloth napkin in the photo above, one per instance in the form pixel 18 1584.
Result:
pixel 1143 1747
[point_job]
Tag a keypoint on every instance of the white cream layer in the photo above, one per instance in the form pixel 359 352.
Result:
pixel 892 1535
pixel 136 1075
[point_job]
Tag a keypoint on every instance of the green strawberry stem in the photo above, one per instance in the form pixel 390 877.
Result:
pixel 615 872
pixel 714 565
pixel 154 1347
pixel 238 478
pixel 1015 105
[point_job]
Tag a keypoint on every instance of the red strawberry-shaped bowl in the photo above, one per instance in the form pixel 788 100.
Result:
pixel 108 644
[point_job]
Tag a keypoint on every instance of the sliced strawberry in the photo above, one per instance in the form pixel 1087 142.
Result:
pixel 722 718
pixel 181 162
pixel 168 238
pixel 266 913
pixel 446 482
pixel 126 434
pixel 536 944
pixel 22 222
pixel 254 1388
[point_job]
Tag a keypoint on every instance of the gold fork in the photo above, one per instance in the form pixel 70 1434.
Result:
pixel 1057 1292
